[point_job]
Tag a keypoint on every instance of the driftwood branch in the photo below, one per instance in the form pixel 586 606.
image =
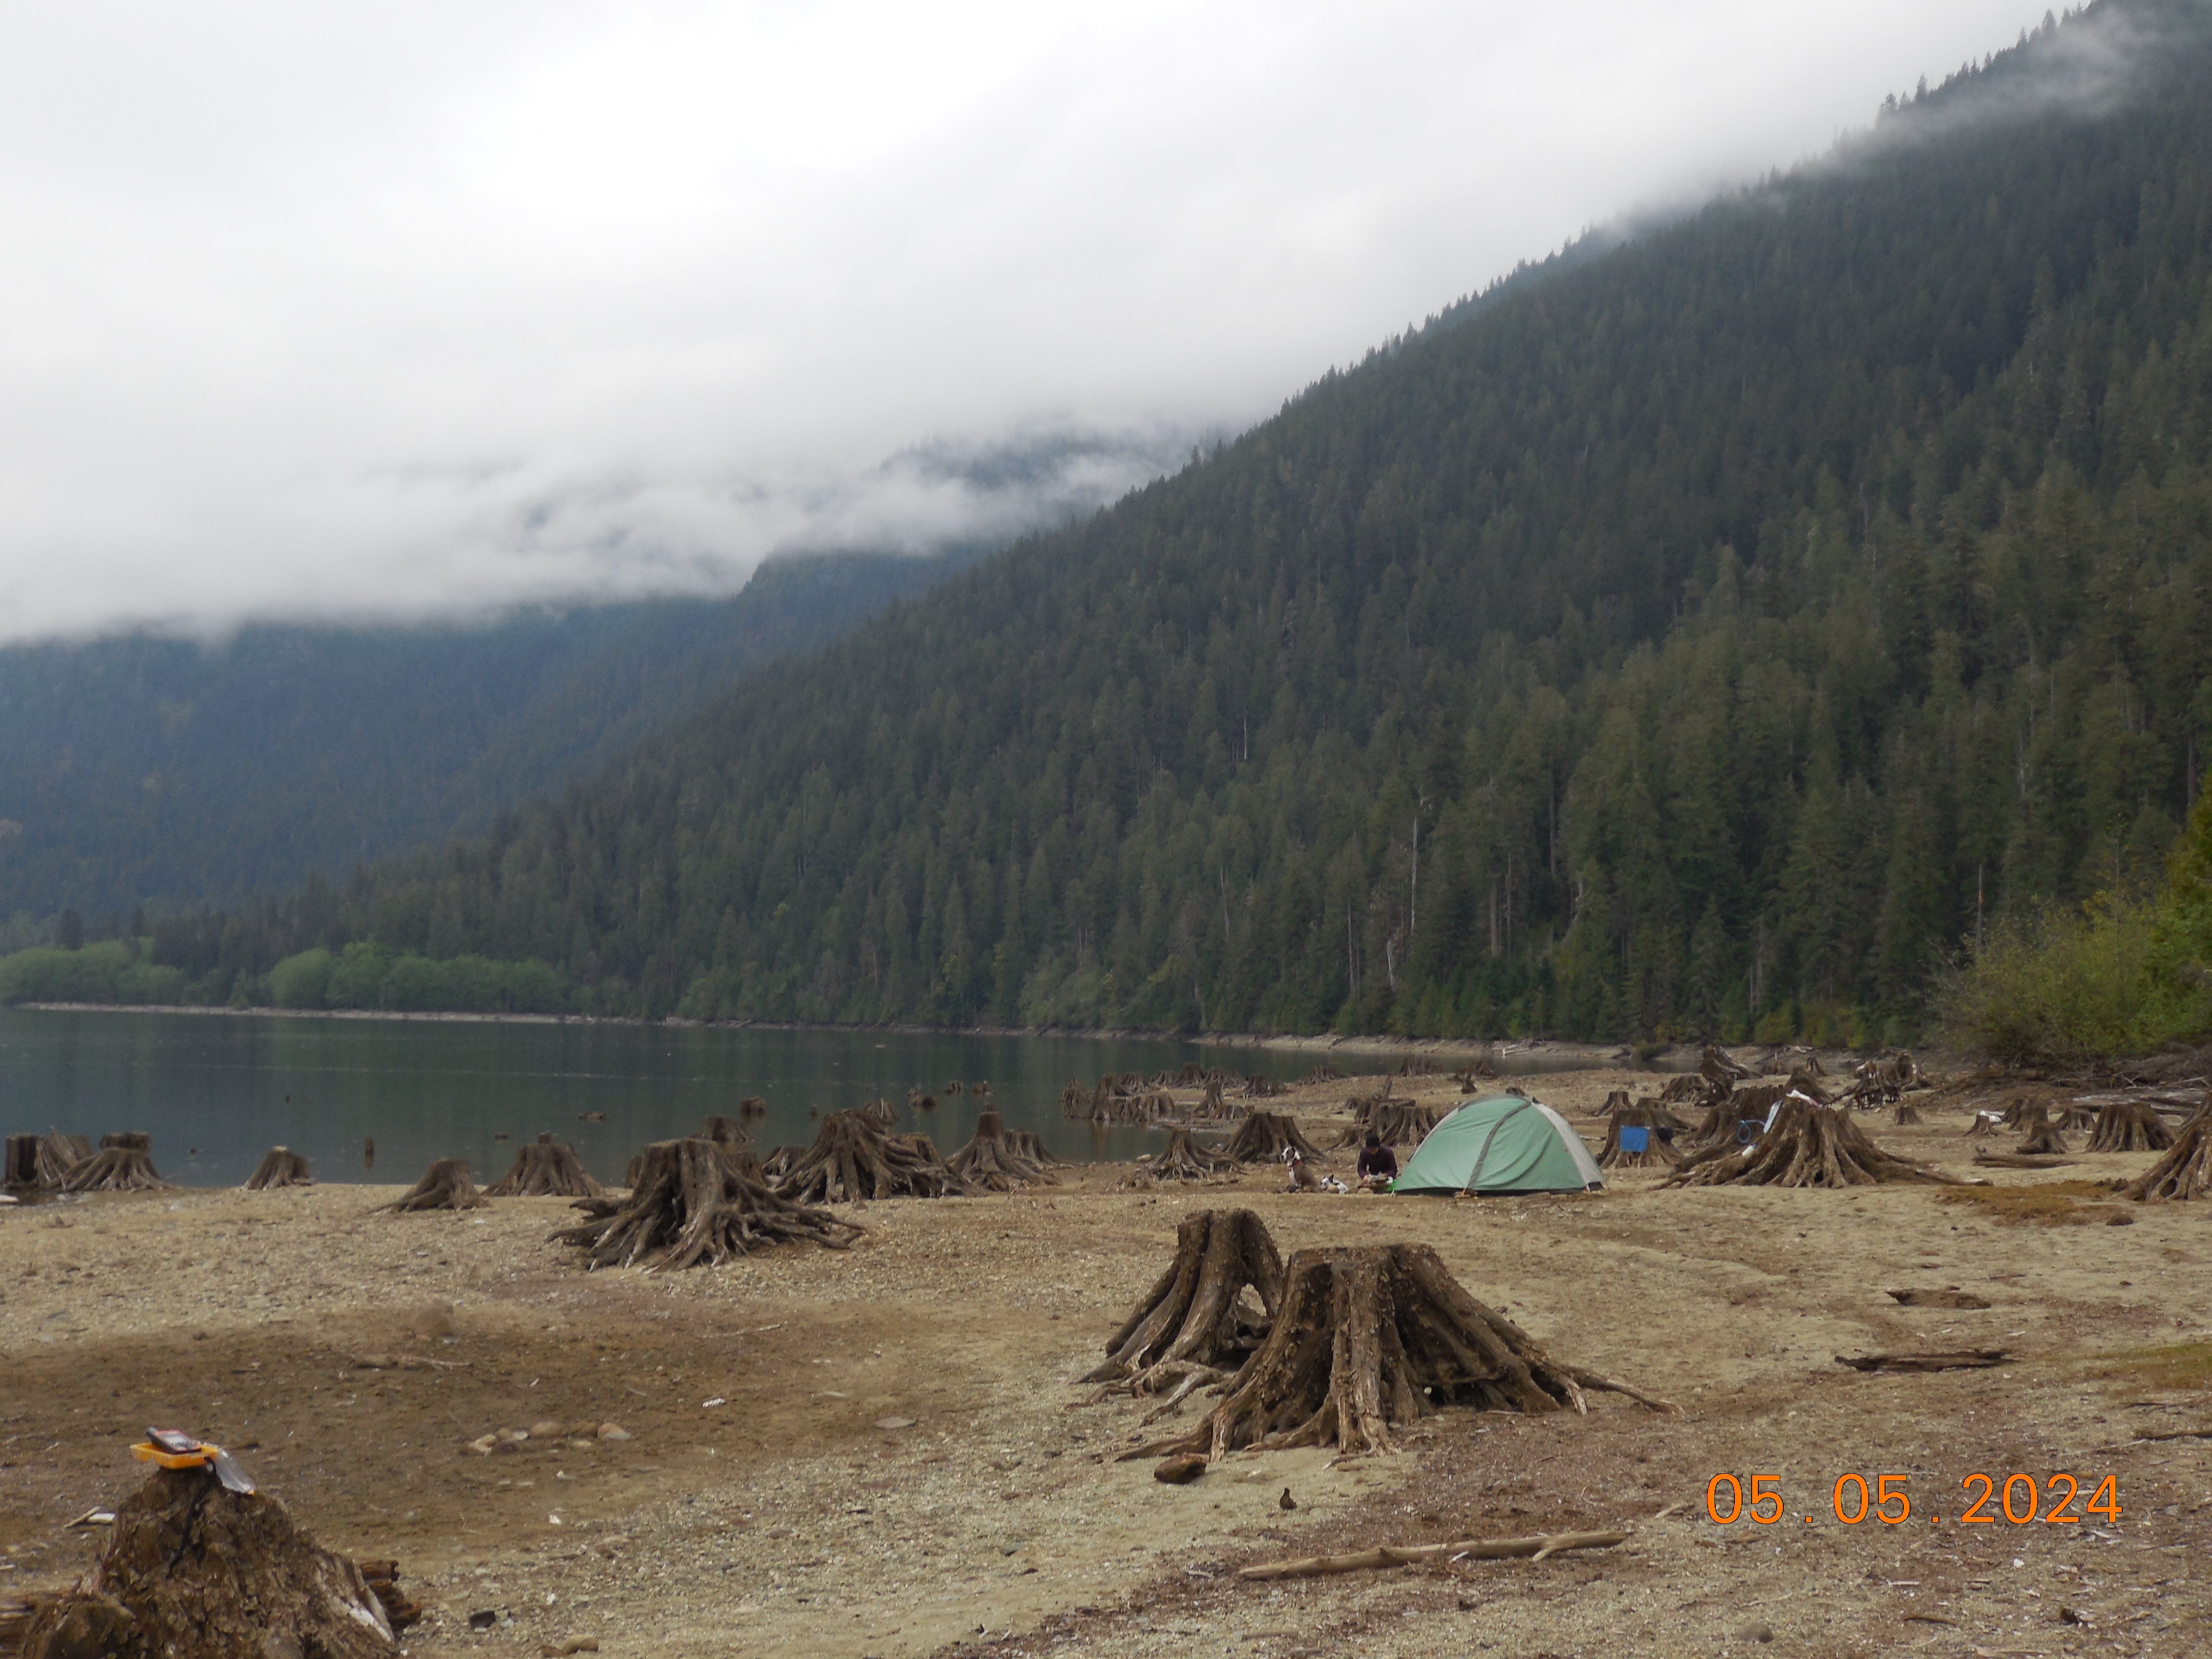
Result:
pixel 1468 1549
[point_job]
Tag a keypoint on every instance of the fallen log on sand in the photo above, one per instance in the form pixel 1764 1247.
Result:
pixel 1962 1359
pixel 1404 1555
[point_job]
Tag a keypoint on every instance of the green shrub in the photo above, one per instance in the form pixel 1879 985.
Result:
pixel 2062 987
pixel 46 972
pixel 302 982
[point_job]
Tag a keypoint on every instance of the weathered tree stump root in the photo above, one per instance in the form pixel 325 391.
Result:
pixel 993 1162
pixel 1753 1100
pixel 853 1160
pixel 1185 1159
pixel 696 1204
pixel 124 1164
pixel 1260 1086
pixel 1395 1123
pixel 280 1166
pixel 548 1169
pixel 1195 1326
pixel 1809 1145
pixel 1905 1112
pixel 727 1131
pixel 2130 1126
pixel 444 1186
pixel 1264 1137
pixel 192 1571
pixel 1366 1338
pixel 2043 1136
pixel 38 1163
pixel 1717 1064
pixel 1659 1125
pixel 2185 1171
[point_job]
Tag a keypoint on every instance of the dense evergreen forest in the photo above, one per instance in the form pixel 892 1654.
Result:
pixel 151 770
pixel 1701 636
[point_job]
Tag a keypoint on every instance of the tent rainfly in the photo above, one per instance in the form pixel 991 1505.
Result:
pixel 1501 1144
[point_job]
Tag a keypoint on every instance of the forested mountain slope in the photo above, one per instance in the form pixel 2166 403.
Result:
pixel 155 769
pixel 1698 637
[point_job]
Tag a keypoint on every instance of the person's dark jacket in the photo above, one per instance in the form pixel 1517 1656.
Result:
pixel 1377 1161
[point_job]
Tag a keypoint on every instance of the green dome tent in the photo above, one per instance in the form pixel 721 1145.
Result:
pixel 1501 1144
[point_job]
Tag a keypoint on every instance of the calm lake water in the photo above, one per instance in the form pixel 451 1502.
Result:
pixel 217 1091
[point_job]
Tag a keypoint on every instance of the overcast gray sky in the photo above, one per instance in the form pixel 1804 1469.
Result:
pixel 414 309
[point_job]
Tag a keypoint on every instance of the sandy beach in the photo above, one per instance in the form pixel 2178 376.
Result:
pixel 884 1452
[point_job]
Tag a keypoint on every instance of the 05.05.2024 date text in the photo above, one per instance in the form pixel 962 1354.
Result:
pixel 1985 1500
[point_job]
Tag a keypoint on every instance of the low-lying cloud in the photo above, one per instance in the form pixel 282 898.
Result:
pixel 414 311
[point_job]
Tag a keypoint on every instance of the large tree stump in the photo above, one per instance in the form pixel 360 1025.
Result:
pixel 192 1571
pixel 19 1171
pixel 280 1166
pixel 1395 1123
pixel 548 1169
pixel 1266 1137
pixel 2043 1136
pixel 124 1164
pixel 992 1161
pixel 853 1160
pixel 2185 1171
pixel 1753 1100
pixel 1717 1066
pixel 1366 1338
pixel 728 1131
pixel 696 1203
pixel 1654 1120
pixel 1905 1112
pixel 444 1186
pixel 2130 1126
pixel 1185 1158
pixel 1809 1145
pixel 1196 1325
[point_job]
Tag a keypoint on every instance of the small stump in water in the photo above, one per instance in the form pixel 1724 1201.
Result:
pixel 2185 1171
pixel 444 1186
pixel 194 1572
pixel 1196 1325
pixel 1367 1338
pixel 695 1204
pixel 280 1166
pixel 1267 1136
pixel 1809 1145
pixel 993 1161
pixel 124 1164
pixel 1184 1158
pixel 2130 1126
pixel 546 1169
pixel 853 1160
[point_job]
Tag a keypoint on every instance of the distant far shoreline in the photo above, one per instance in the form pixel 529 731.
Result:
pixel 1533 1053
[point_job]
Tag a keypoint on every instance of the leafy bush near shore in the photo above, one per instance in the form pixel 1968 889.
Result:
pixel 364 976
pixel 2115 976
pixel 109 972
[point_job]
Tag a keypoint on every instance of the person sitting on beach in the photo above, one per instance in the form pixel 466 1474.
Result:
pixel 1378 1164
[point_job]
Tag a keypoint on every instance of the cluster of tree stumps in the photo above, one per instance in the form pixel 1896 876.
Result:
pixel 1336 1348
pixel 55 1163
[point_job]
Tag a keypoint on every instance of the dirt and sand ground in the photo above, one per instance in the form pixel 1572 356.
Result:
pixel 883 1452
